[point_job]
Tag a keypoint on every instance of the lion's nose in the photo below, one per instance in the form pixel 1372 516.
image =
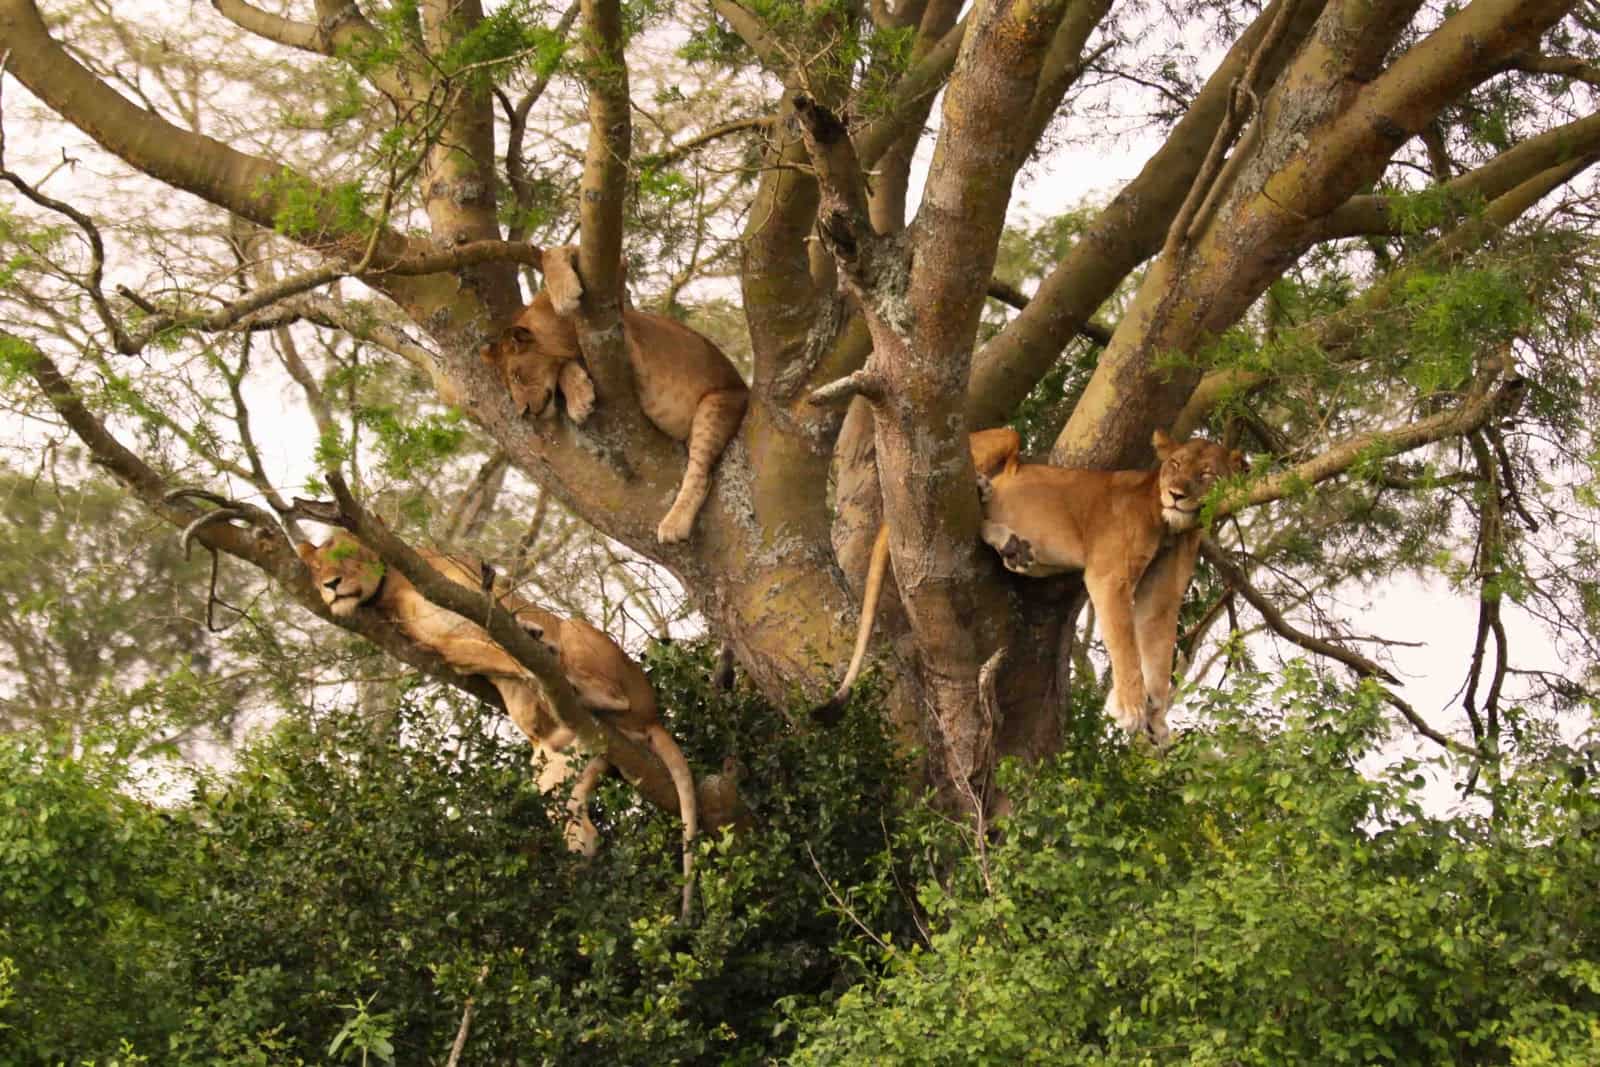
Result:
pixel 332 585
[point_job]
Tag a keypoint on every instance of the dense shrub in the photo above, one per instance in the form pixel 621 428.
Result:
pixel 1252 898
pixel 344 892
pixel 87 877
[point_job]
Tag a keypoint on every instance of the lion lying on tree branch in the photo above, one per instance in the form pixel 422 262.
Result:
pixel 685 385
pixel 349 575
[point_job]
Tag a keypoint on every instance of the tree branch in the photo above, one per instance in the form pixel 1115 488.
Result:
pixel 262 545
pixel 245 185
pixel 1364 667
pixel 1549 152
pixel 605 165
pixel 908 98
pixel 1124 234
pixel 1336 333
pixel 304 36
pixel 1496 391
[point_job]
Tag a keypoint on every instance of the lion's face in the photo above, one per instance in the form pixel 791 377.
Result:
pixel 346 572
pixel 528 369
pixel 1187 473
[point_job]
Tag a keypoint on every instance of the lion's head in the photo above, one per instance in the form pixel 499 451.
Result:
pixel 346 572
pixel 1187 473
pixel 528 359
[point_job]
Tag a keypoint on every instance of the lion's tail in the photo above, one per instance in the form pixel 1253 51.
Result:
pixel 829 713
pixel 667 750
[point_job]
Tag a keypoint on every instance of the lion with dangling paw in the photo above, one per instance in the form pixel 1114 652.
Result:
pixel 348 575
pixel 1135 536
pixel 685 385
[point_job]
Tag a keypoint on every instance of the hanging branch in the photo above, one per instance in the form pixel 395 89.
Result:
pixel 1363 666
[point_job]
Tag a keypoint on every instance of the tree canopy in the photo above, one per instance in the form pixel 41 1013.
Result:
pixel 255 253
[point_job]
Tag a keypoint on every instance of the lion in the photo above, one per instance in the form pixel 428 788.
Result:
pixel 1135 536
pixel 685 385
pixel 993 451
pixel 349 575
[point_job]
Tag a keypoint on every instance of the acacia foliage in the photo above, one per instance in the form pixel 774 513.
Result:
pixel 1253 898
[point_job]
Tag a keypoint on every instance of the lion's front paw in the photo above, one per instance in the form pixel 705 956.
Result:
pixel 1155 726
pixel 675 527
pixel 581 835
pixel 578 390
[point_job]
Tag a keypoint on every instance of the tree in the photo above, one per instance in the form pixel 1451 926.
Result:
pixel 1360 251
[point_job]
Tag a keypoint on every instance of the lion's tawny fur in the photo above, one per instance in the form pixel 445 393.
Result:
pixel 1135 536
pixel 685 384
pixel 348 575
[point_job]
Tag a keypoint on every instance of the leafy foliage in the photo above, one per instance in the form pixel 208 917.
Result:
pixel 1254 898
pixel 350 888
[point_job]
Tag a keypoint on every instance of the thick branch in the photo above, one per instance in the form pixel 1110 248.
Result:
pixel 1335 334
pixel 1123 235
pixel 304 36
pixel 908 100
pixel 262 546
pixel 605 166
pixel 753 32
pixel 1517 164
pixel 1319 143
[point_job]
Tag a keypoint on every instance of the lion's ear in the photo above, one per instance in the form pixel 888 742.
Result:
pixel 307 550
pixel 1240 464
pixel 1163 444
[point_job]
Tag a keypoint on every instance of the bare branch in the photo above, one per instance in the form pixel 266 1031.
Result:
pixel 668 156
pixel 1242 106
pixel 1364 667
pixel 864 383
pixel 304 36
pixel 237 312
pixel 1011 296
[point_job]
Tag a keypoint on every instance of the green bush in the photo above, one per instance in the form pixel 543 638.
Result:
pixel 1251 898
pixel 88 945
pixel 342 893
pixel 1260 895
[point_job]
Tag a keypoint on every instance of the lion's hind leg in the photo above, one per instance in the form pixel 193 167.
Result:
pixel 580 833
pixel 716 420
